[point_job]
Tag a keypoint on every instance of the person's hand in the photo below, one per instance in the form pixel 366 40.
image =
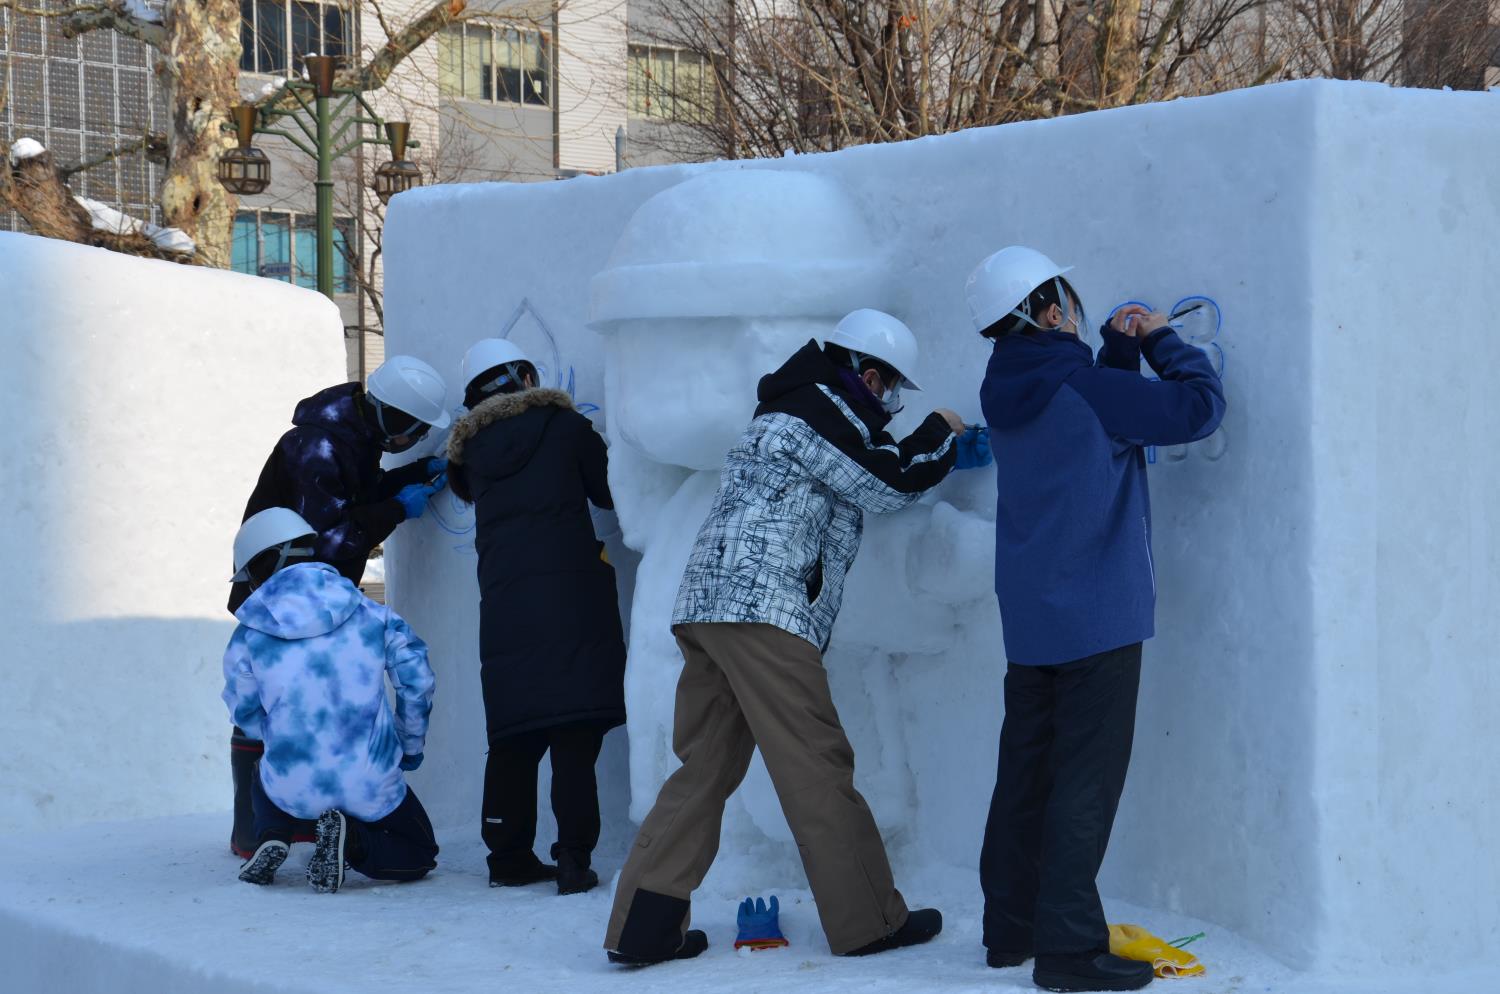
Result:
pixel 955 422
pixel 974 449
pixel 410 763
pixel 435 468
pixel 1137 321
pixel 414 496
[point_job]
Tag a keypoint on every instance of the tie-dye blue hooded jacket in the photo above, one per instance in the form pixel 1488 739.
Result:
pixel 304 673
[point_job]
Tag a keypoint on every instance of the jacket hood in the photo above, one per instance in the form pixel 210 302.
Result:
pixel 505 453
pixel 335 410
pixel 1025 372
pixel 301 601
pixel 808 366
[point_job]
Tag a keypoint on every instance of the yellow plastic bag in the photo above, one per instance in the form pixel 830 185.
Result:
pixel 1135 943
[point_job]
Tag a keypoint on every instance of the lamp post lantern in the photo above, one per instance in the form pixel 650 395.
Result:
pixel 246 171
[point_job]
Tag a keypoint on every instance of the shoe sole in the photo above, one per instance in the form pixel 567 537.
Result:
pixel 1064 984
pixel 261 867
pixel 582 887
pixel 325 871
pixel 634 963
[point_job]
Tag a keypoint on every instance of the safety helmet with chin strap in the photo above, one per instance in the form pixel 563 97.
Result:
pixel 273 528
pixel 1000 286
pixel 489 355
pixel 407 384
pixel 871 334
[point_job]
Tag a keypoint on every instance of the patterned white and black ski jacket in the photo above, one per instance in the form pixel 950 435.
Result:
pixel 788 516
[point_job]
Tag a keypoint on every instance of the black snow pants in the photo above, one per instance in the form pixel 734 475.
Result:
pixel 1064 750
pixel 401 846
pixel 509 827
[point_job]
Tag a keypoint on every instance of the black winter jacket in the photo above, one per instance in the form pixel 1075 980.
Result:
pixel 327 469
pixel 551 647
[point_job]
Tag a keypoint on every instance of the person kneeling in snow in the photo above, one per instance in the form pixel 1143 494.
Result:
pixel 754 613
pixel 304 674
pixel 327 469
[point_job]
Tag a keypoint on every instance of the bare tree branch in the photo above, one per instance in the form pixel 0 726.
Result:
pixel 83 18
pixel 154 145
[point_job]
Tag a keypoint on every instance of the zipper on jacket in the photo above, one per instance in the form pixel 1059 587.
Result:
pixel 1150 563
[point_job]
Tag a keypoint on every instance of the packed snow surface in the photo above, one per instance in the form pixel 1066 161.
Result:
pixel 154 907
pixel 1310 767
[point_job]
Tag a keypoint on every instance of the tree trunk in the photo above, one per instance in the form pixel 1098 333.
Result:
pixel 200 68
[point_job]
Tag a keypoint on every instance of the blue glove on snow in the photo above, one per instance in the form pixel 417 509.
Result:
pixel 409 763
pixel 974 449
pixel 413 497
pixel 759 927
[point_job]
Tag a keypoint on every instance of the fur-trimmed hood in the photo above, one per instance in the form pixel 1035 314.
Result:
pixel 506 405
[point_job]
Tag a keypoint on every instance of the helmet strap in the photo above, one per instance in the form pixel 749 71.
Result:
pixel 1064 303
pixel 892 399
pixel 511 375
pixel 390 436
pixel 284 552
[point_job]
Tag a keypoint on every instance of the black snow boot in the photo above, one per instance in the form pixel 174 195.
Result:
pixel 694 942
pixel 262 866
pixel 325 871
pixel 1001 959
pixel 521 872
pixel 921 926
pixel 1092 971
pixel 573 873
pixel 244 756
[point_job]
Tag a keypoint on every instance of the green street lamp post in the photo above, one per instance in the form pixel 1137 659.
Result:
pixel 246 170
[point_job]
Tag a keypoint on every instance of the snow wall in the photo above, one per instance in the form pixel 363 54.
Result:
pixel 1313 765
pixel 139 399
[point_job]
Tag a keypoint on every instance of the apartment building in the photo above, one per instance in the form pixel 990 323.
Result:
pixel 521 91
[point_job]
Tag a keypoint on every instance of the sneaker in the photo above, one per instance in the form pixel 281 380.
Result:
pixel 262 865
pixel 573 873
pixel 693 944
pixel 325 871
pixel 921 925
pixel 1000 959
pixel 522 872
pixel 1091 971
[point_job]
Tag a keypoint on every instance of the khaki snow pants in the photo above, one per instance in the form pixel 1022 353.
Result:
pixel 742 686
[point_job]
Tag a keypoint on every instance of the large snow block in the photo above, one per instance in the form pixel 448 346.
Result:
pixel 1311 763
pixel 140 400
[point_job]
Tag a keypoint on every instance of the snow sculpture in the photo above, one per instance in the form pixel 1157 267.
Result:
pixel 712 284
pixel 140 400
pixel 1310 765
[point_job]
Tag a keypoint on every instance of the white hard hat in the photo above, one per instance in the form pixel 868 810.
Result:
pixel 409 384
pixel 878 335
pixel 266 530
pixel 487 353
pixel 1003 281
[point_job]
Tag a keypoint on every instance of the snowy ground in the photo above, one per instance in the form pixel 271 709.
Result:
pixel 155 906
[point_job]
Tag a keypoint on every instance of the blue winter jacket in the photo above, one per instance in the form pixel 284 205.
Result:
pixel 1073 569
pixel 305 672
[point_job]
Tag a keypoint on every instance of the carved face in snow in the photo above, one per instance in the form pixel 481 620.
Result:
pixel 682 390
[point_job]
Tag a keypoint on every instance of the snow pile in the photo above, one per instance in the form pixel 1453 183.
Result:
pixel 106 218
pixel 1325 565
pixel 140 399
pixel 26 148
pixel 150 11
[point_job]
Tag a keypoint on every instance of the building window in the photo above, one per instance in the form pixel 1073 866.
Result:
pixel 274 34
pixel 670 84
pixel 502 65
pixel 283 246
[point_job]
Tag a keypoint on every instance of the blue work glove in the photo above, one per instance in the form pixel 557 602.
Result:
pixel 414 496
pixel 759 928
pixel 436 467
pixel 409 763
pixel 974 449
